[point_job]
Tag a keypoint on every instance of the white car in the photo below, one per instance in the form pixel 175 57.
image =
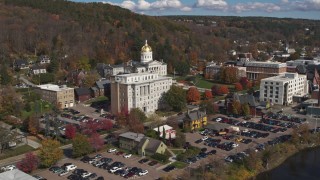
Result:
pixel 92 161
pixel 86 174
pixel 204 138
pixel 218 119
pixel 8 168
pixel 127 155
pixel 70 167
pixel 143 173
pixel 112 150
pixel 114 169
pixel 235 145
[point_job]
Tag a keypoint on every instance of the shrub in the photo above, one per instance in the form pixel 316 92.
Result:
pixel 160 157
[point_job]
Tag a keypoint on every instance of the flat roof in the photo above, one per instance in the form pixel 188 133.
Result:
pixel 53 87
pixel 15 174
pixel 284 77
pixel 265 64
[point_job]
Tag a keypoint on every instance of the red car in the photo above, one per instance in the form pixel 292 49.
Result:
pixel 119 153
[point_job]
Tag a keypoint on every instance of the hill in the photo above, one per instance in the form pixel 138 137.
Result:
pixel 110 34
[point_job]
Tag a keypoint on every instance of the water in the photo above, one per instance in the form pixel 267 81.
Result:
pixel 304 165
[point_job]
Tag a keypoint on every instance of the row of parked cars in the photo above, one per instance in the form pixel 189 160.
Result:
pixel 77 174
pixel 285 117
pixel 284 125
pixel 117 168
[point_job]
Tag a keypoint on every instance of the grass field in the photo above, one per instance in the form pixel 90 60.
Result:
pixel 201 82
pixel 16 151
pixel 179 164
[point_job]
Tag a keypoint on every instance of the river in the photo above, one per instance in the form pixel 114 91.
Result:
pixel 304 165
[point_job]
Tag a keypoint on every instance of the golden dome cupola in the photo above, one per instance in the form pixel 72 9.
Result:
pixel 146 48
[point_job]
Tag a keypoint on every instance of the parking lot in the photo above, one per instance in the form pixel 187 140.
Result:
pixel 153 173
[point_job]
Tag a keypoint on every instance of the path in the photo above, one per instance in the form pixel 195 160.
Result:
pixel 26 81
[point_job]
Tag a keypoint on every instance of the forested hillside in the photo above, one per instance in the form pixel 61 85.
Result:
pixel 110 34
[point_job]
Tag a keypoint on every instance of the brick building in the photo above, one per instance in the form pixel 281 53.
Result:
pixel 258 70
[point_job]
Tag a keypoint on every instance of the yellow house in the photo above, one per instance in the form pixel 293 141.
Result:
pixel 150 146
pixel 195 119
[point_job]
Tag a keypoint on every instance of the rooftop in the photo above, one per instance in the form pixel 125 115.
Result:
pixel 15 174
pixel 53 87
pixel 133 136
pixel 266 64
pixel 284 77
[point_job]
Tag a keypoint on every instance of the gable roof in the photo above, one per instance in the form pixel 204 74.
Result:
pixel 133 136
pixel 102 84
pixel 245 98
pixel 20 62
pixel 152 146
pixel 194 115
pixel 16 174
pixel 82 91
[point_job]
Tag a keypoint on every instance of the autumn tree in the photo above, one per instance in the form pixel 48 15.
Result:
pixel 50 152
pixel 89 127
pixel 122 118
pixel 245 109
pixel 238 86
pixel 96 142
pixel 29 163
pixel 81 146
pixel 90 79
pixel 176 98
pixel 33 125
pixel 135 120
pixel 155 120
pixel 180 139
pixel 244 82
pixel 236 107
pixel 193 94
pixel 224 89
pixel 105 124
pixel 84 63
pixel 70 131
pixel 229 75
pixel 215 90
pixel 207 95
pixel 137 113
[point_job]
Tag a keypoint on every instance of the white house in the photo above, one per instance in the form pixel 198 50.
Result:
pixel 168 130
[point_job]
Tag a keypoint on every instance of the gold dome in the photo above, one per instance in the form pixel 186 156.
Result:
pixel 146 48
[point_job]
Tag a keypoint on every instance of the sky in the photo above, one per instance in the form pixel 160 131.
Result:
pixel 305 9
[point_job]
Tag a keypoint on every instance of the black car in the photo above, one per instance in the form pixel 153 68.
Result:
pixel 106 160
pixel 118 172
pixel 204 150
pixel 100 178
pixel 85 159
pixel 78 171
pixel 212 152
pixel 74 177
pixel 169 168
pixel 246 141
pixel 143 161
pixel 198 141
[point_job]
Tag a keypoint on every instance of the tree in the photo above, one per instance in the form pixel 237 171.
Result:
pixel 136 113
pixel 29 163
pixel 96 142
pixel 182 67
pixel 229 74
pixel 224 89
pixel 50 152
pixel 155 120
pixel 180 139
pixel 90 79
pixel 176 98
pixel 193 94
pixel 245 83
pixel 238 86
pixel 84 63
pixel 236 107
pixel 122 118
pixel 163 133
pixel 207 105
pixel 5 77
pixel 89 127
pixel 70 131
pixel 245 109
pixel 81 146
pixel 33 125
pixel 105 124
pixel 207 95
pixel 215 89
pixel 152 133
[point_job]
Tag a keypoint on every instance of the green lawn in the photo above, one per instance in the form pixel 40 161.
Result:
pixel 98 99
pixel 16 151
pixel 201 82
pixel 177 151
pixel 179 164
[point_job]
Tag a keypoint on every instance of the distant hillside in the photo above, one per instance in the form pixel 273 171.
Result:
pixel 111 34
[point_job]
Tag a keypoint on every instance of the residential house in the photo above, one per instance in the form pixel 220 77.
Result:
pixel 82 94
pixel 130 140
pixel 149 146
pixel 38 70
pixel 170 133
pixel 103 87
pixel 44 59
pixel 21 64
pixel 246 99
pixel 94 92
pixel 195 119
pixel 76 77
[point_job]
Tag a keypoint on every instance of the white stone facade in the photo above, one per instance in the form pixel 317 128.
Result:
pixel 281 89
pixel 138 90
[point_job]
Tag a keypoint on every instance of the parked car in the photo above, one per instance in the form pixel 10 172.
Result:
pixel 70 167
pixel 152 163
pixel 127 155
pixel 112 150
pixel 204 138
pixel 143 160
pixel 39 177
pixel 169 168
pixel 143 173
pixel 63 172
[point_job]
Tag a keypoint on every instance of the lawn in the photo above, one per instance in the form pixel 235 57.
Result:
pixel 201 82
pixel 16 151
pixel 177 151
pixel 98 99
pixel 179 164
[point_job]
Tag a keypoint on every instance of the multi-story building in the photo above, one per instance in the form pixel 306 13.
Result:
pixel 258 70
pixel 281 89
pixel 138 90
pixel 62 96
pixel 130 140
pixel 146 64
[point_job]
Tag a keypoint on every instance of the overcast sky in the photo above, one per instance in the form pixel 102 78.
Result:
pixel 306 9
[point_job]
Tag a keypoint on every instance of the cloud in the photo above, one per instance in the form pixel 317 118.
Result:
pixel 253 6
pixel 284 1
pixel 212 4
pixel 308 5
pixel 128 5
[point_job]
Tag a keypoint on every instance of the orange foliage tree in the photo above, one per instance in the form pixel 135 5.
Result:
pixel 193 94
pixel 207 95
pixel 224 89
pixel 238 87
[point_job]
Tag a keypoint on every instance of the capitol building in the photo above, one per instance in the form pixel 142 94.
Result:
pixel 139 84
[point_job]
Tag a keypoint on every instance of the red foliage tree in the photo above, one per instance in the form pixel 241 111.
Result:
pixel 29 163
pixel 70 131
pixel 224 89
pixel 89 127
pixel 105 124
pixel 238 86
pixel 207 95
pixel 96 141
pixel 193 94
pixel 249 85
pixel 244 82
pixel 215 90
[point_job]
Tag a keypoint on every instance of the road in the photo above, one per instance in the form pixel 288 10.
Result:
pixel 26 81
